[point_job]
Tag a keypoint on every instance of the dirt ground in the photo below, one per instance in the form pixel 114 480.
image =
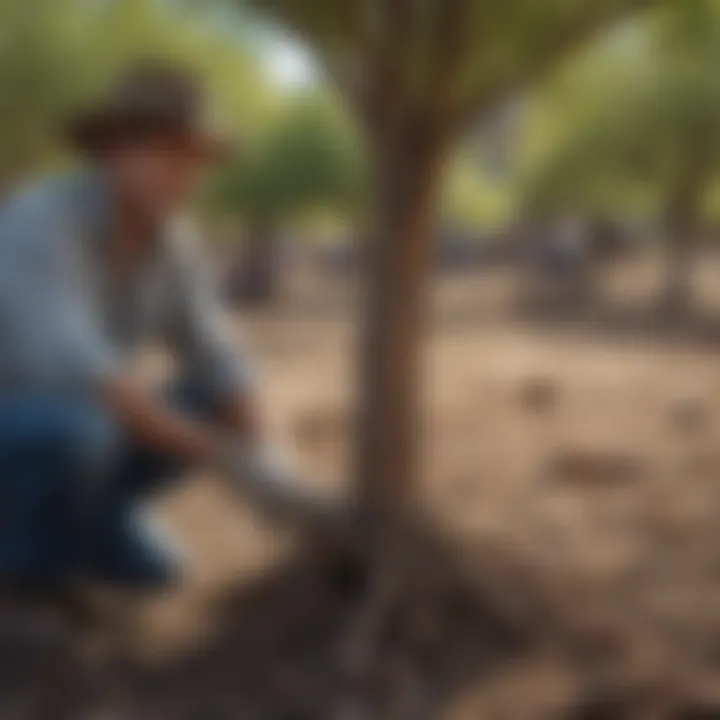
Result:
pixel 574 464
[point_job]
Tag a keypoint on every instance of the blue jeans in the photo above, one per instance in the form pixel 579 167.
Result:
pixel 72 487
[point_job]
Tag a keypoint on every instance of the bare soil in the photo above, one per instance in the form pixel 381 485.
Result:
pixel 572 477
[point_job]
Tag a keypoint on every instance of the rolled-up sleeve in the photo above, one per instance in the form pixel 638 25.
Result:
pixel 49 332
pixel 213 356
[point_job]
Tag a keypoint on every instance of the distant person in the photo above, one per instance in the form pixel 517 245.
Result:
pixel 93 266
pixel 566 251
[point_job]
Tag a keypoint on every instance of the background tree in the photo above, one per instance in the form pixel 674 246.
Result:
pixel 416 74
pixel 646 142
pixel 55 54
pixel 307 159
pixel 42 61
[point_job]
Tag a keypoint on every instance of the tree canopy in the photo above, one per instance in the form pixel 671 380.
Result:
pixel 633 121
pixel 440 59
pixel 306 158
pixel 56 54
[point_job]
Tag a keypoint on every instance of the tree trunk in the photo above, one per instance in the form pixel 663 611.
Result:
pixel 683 229
pixel 399 259
pixel 256 281
pixel 682 244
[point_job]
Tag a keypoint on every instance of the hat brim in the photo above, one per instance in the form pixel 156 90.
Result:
pixel 94 133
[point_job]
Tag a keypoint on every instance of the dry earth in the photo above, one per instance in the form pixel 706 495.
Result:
pixel 575 465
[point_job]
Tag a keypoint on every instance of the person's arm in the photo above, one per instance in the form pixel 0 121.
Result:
pixel 52 336
pixel 250 458
pixel 206 347
pixel 156 425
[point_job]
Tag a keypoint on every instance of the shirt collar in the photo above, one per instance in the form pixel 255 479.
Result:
pixel 97 207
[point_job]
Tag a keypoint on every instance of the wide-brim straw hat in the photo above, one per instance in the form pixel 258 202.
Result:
pixel 150 100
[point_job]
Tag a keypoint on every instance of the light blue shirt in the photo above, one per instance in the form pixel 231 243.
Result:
pixel 67 321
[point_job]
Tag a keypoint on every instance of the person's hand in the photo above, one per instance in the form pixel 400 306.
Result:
pixel 243 416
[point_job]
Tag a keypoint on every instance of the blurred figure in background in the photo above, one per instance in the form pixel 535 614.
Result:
pixel 93 265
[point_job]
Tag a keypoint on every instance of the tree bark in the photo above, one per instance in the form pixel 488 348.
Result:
pixel 683 230
pixel 398 265
pixel 257 282
pixel 680 259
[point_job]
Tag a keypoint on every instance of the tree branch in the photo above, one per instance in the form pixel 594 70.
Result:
pixel 569 38
pixel 450 55
pixel 389 91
